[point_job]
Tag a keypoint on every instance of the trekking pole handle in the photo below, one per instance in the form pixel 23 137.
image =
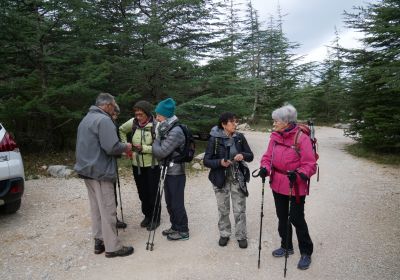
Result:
pixel 258 174
pixel 292 175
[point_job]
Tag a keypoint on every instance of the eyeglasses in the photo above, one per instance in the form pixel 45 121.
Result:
pixel 139 114
pixel 234 121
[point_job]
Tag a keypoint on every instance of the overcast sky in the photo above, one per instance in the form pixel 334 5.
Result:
pixel 311 23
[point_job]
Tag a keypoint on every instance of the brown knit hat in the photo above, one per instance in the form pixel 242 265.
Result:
pixel 144 106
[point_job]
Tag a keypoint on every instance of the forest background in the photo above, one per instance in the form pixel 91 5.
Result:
pixel 210 56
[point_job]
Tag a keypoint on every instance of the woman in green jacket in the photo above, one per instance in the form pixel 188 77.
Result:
pixel 146 171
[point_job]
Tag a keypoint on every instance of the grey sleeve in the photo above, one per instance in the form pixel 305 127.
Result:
pixel 109 141
pixel 174 139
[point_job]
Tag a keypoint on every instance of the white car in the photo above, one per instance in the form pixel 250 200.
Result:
pixel 12 177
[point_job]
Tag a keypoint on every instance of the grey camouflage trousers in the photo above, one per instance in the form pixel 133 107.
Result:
pixel 223 195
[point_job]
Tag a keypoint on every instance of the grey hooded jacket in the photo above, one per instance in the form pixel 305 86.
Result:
pixel 97 144
pixel 165 146
pixel 217 149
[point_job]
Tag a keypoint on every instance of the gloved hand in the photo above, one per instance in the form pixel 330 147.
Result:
pixel 292 176
pixel 263 172
pixel 303 176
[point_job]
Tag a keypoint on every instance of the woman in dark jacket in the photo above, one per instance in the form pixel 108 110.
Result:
pixel 225 155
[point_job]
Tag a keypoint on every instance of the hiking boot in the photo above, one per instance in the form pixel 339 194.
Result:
pixel 98 246
pixel 223 241
pixel 124 251
pixel 146 221
pixel 178 235
pixel 304 262
pixel 243 243
pixel 280 252
pixel 153 226
pixel 168 231
pixel 121 224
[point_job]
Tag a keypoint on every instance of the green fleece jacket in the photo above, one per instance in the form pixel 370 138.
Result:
pixel 142 136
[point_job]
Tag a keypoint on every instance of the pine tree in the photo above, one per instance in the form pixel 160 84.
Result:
pixel 330 99
pixel 375 89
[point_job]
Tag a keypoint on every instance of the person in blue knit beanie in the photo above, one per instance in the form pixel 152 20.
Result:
pixel 166 108
pixel 170 138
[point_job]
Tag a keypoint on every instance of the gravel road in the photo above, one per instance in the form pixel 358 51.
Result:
pixel 352 213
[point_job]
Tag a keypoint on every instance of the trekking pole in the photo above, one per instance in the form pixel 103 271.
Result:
pixel 314 146
pixel 292 178
pixel 120 199
pixel 157 207
pixel 262 211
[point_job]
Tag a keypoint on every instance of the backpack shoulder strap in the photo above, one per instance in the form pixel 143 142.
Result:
pixel 134 126
pixel 296 140
pixel 153 129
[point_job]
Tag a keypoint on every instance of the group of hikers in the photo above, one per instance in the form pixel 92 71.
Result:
pixel 155 147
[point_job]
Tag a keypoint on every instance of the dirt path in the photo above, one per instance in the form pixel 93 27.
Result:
pixel 352 213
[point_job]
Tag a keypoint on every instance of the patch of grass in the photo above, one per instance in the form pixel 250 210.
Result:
pixel 200 146
pixel 36 163
pixel 360 151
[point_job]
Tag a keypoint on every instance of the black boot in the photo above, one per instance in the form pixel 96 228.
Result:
pixel 146 221
pixel 98 246
pixel 153 226
pixel 124 251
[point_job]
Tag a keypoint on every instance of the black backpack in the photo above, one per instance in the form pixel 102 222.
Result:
pixel 187 153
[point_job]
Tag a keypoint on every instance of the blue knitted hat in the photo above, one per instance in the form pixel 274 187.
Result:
pixel 166 108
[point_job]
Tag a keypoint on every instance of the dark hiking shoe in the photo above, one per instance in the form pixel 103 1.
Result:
pixel 168 231
pixel 123 252
pixel 223 241
pixel 178 235
pixel 146 221
pixel 280 252
pixel 121 224
pixel 304 262
pixel 98 246
pixel 243 243
pixel 153 226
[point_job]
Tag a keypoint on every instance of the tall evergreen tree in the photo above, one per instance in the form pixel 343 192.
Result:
pixel 329 101
pixel 375 90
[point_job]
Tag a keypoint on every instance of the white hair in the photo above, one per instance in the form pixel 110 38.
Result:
pixel 104 99
pixel 286 113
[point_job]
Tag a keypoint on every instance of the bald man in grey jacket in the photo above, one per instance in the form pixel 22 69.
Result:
pixel 97 145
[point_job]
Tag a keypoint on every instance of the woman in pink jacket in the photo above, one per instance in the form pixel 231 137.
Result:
pixel 284 154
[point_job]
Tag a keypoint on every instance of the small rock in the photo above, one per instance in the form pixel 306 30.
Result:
pixel 197 166
pixel 199 156
pixel 342 125
pixel 59 171
pixel 243 126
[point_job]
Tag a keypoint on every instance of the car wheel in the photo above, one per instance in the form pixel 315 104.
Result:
pixel 12 207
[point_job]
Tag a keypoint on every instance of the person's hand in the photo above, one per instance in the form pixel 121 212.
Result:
pixel 225 163
pixel 238 157
pixel 263 172
pixel 137 147
pixel 303 176
pixel 292 175
pixel 128 150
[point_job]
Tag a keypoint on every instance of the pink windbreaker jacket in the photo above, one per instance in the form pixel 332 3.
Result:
pixel 283 157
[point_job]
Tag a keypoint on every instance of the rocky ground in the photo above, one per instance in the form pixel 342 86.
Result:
pixel 352 213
